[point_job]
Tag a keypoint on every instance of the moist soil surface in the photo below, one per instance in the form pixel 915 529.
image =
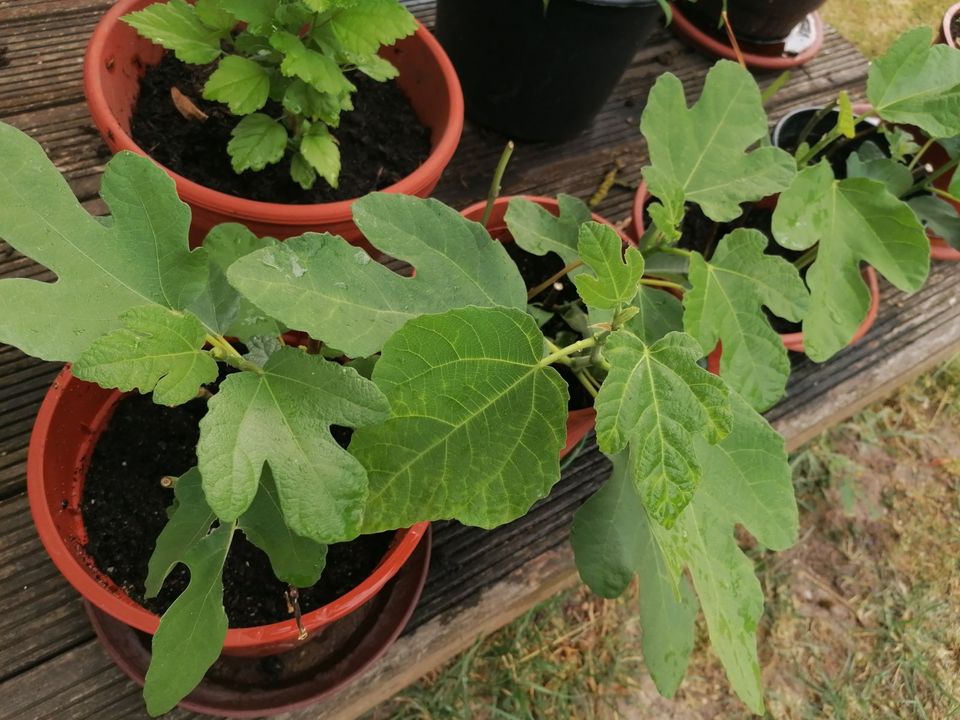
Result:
pixel 535 269
pixel 124 509
pixel 381 140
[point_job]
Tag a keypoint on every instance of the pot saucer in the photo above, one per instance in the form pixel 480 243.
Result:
pixel 241 687
pixel 803 43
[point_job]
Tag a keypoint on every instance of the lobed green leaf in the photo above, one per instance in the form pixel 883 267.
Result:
pixel 538 231
pixel 333 291
pixel 477 422
pixel 616 277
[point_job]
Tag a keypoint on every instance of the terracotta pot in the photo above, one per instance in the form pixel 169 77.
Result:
pixel 579 422
pixel 936 156
pixel 775 54
pixel 116 59
pixel 946 29
pixel 792 341
pixel 73 415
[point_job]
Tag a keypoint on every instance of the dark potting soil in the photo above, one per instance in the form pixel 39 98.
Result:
pixel 535 269
pixel 381 140
pixel 124 510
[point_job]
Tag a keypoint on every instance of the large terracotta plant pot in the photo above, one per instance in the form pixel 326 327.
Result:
pixel 579 422
pixel 72 417
pixel 116 59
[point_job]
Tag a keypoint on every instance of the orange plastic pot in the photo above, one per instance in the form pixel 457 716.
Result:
pixel 792 341
pixel 579 422
pixel 73 415
pixel 117 57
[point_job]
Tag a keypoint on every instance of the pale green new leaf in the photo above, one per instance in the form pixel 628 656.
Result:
pixel 725 304
pixel 915 83
pixel 159 351
pixel 363 27
pixel 188 525
pixel 337 294
pixel 257 141
pixel 616 274
pixel 854 220
pixel 302 172
pixel 613 540
pixel 283 417
pixel 845 123
pixel 240 83
pixel 302 99
pixel 322 152
pixel 295 560
pixel 175 25
pixel 538 231
pixel 657 399
pixel 699 154
pixel 140 257
pixel 314 68
pixel 477 422
pixel 376 67
pixel 192 630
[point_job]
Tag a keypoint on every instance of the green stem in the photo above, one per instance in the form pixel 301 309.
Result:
pixel 533 292
pixel 662 283
pixel 558 355
pixel 945 195
pixel 935 175
pixel 676 251
pixel 920 153
pixel 825 141
pixel 495 185
pixel 807 258
pixel 582 377
pixel 222 350
pixel 555 349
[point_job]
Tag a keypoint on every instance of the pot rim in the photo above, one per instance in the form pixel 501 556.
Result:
pixel 688 30
pixel 246 209
pixel 945 26
pixel 124 608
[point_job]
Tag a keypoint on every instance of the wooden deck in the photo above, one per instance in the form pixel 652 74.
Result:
pixel 50 664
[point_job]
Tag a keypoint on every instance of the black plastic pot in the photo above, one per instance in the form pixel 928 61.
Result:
pixel 786 135
pixel 541 75
pixel 760 21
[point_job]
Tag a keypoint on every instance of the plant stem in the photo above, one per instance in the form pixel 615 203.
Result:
pixel 533 292
pixel 919 154
pixel 558 355
pixel 676 251
pixel 807 258
pixel 554 348
pixel 222 350
pixel 812 123
pixel 581 375
pixel 732 38
pixel 945 195
pixel 497 179
pixel 662 283
pixel 935 175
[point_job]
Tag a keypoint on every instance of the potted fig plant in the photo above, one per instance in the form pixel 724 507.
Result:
pixel 254 108
pixel 848 193
pixel 462 416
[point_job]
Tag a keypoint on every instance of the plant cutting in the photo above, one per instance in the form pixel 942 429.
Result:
pixel 462 415
pixel 844 200
pixel 248 106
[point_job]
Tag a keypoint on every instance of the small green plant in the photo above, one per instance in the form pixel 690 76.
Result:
pixel 716 155
pixel 460 370
pixel 282 67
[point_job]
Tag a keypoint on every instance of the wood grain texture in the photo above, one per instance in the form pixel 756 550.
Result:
pixel 49 665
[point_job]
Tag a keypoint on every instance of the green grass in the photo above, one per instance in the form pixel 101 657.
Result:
pixel 873 24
